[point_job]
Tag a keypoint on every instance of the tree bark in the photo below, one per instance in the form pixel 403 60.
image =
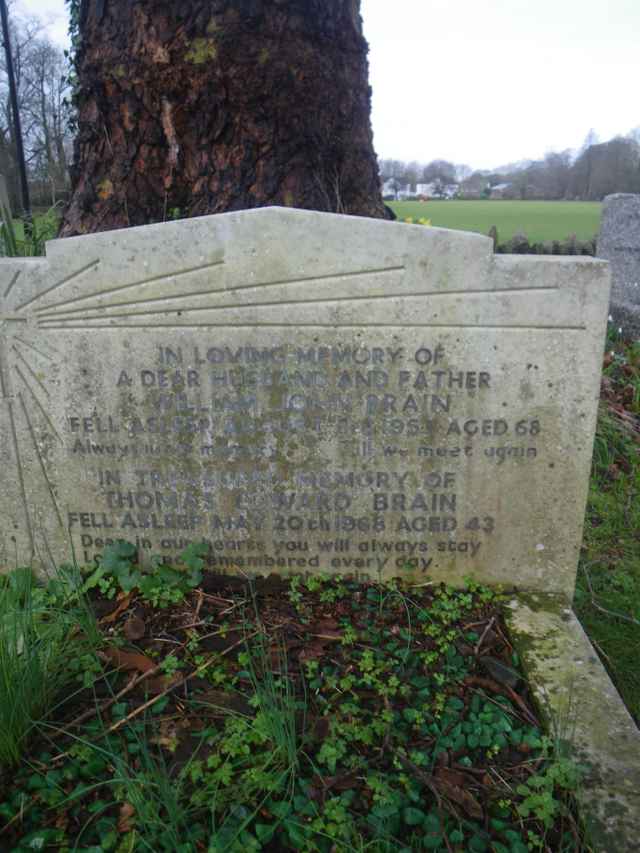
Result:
pixel 204 106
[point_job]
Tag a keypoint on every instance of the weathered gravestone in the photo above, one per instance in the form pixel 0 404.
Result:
pixel 311 392
pixel 619 243
pixel 305 392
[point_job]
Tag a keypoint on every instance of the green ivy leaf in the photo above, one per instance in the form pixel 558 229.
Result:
pixel 477 844
pixel 264 831
pixel 413 816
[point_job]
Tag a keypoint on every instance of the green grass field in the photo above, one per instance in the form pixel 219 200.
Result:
pixel 539 220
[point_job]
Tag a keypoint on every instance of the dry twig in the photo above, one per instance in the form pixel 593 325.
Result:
pixel 146 705
pixel 488 627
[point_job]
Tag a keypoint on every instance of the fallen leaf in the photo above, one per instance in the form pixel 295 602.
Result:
pixel 460 796
pixel 321 729
pixel 324 625
pixel 128 660
pixel 127 811
pixel 134 628
pixel 312 651
pixel 220 700
pixel 124 600
pixel 452 777
pixel 158 684
pixel 62 821
pixel 341 783
pixel 498 670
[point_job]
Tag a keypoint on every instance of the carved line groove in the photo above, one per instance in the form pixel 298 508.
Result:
pixel 26 364
pixel 3 386
pixel 310 278
pixel 46 545
pixel 59 314
pixel 21 478
pixel 40 459
pixel 317 326
pixel 62 281
pixel 285 304
pixel 12 282
pixel 144 281
pixel 35 348
pixel 39 404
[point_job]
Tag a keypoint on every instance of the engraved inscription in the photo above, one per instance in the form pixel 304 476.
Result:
pixel 239 414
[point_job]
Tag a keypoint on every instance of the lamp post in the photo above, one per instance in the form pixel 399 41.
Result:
pixel 13 93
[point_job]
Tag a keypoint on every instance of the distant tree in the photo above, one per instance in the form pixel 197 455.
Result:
pixel 439 170
pixel 475 184
pixel 615 166
pixel 41 77
pixel 399 170
pixel 49 111
pixel 412 173
pixel 207 106
pixel 604 168
pixel 555 174
pixel 597 170
pixel 584 165
pixel 384 168
pixel 522 182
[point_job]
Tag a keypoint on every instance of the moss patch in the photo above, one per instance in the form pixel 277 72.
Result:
pixel 201 50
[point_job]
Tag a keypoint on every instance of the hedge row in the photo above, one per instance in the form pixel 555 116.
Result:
pixel 519 245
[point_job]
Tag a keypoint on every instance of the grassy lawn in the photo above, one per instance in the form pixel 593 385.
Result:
pixel 539 220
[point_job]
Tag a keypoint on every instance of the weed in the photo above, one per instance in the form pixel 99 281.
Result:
pixel 43 633
pixel 162 586
pixel 16 240
pixel 607 598
pixel 278 709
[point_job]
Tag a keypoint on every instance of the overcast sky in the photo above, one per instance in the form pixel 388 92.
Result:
pixel 488 83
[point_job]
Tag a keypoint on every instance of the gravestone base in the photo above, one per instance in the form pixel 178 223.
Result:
pixel 579 704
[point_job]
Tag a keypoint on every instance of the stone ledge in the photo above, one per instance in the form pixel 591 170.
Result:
pixel 574 691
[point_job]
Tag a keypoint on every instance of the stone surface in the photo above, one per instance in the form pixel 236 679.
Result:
pixel 304 391
pixel 581 707
pixel 619 243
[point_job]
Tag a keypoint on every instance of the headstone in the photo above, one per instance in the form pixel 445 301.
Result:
pixel 306 392
pixel 619 243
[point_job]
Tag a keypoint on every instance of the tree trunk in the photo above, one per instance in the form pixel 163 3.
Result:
pixel 205 106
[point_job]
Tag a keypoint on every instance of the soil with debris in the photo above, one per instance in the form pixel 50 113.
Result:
pixel 318 714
